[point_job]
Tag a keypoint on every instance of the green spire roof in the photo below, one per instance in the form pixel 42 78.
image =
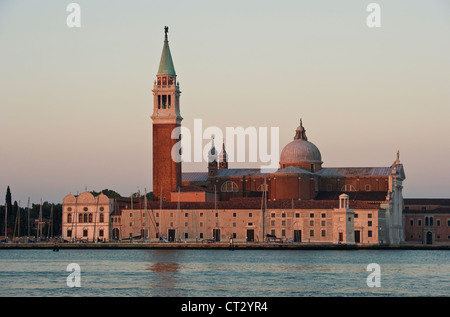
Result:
pixel 166 63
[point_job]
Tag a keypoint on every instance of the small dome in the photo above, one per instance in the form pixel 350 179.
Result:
pixel 300 150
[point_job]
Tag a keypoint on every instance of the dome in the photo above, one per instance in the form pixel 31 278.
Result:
pixel 300 150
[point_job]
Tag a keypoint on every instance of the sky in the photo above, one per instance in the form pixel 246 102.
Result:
pixel 75 103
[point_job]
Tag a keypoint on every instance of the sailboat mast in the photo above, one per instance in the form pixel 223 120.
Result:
pixel 140 212
pixel 95 220
pixel 18 219
pixel 40 221
pixel 146 213
pixel 51 221
pixel 50 224
pixel 28 217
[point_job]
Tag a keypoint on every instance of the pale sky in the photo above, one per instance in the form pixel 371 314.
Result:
pixel 75 103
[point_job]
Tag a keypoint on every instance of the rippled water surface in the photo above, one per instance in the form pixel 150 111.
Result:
pixel 292 273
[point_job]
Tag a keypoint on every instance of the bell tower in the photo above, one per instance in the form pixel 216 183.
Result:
pixel 166 117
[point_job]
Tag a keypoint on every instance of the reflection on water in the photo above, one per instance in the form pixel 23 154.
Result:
pixel 224 273
pixel 164 278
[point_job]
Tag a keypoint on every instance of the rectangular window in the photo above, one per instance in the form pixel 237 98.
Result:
pixel 69 233
pixel 234 224
pixel 323 233
pixel 250 224
pixel 369 216
pixel 201 224
pixel 297 215
pixel 356 215
pixel 311 215
pixel 438 222
pixel 85 233
pixel 369 223
pixel 283 223
pixel 234 214
pixel 185 224
pixel 283 233
pixel 369 233
pixel 186 214
pixel 411 222
pixel 201 235
pixel 272 222
pixel 201 214
pixel 311 233
pixel 311 223
pixel 234 235
pixel 250 214
pixel 323 223
pixel 324 215
pixel 272 215
pixel 100 233
pixel 186 235
pixel 283 215
pixel 419 222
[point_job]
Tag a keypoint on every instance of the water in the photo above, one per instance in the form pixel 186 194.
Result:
pixel 211 273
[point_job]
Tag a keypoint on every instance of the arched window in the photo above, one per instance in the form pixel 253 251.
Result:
pixel 90 217
pixel 69 218
pixel 348 188
pixel 426 221
pixel 431 221
pixel 102 218
pixel 229 186
pixel 80 218
pixel 85 218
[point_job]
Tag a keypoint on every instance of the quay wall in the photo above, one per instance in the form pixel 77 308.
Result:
pixel 212 246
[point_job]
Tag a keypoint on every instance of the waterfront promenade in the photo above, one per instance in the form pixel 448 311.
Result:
pixel 218 245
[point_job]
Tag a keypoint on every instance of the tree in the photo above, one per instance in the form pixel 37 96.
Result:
pixel 8 201
pixel 108 192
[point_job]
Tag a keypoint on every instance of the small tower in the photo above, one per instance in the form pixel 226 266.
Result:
pixel 223 164
pixel 166 118
pixel 212 160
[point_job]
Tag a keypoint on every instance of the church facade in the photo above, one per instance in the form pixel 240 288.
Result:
pixel 303 201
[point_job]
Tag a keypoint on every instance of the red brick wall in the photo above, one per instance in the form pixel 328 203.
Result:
pixel 166 172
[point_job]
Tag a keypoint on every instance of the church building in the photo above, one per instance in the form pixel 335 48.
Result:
pixel 302 201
